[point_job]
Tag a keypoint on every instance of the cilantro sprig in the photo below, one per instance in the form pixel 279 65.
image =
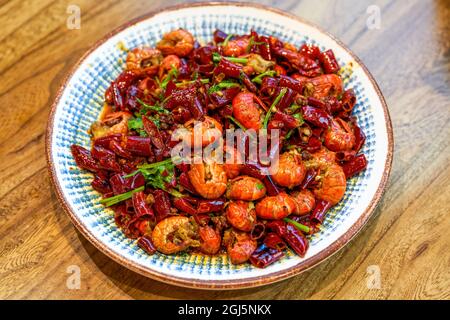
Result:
pixel 147 107
pixel 120 197
pixel 137 125
pixel 172 74
pixel 273 107
pixel 268 73
pixel 298 225
pixel 217 57
pixel 252 43
pixel 184 83
pixel 136 122
pixel 158 175
pixel 223 85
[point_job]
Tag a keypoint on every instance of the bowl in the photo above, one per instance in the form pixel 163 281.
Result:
pixel 79 101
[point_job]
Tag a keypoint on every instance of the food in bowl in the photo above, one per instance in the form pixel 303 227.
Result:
pixel 249 205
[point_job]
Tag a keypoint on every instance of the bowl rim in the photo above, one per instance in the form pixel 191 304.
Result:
pixel 248 282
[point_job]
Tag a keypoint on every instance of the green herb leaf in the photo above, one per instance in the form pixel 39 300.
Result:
pixel 289 134
pixel 137 125
pixel 120 197
pixel 155 120
pixel 268 73
pixel 252 42
pixel 158 175
pixel 172 74
pixel 237 60
pixel 223 85
pixel 152 108
pixel 294 107
pixel 299 117
pixel 155 164
pixel 217 57
pixel 180 84
pixel 175 193
pixel 259 186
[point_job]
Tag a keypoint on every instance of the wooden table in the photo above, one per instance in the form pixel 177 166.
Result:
pixel 407 239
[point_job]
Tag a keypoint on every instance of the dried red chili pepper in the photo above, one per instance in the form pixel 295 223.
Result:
pixel 264 48
pixel 294 237
pixel 117 148
pixel 344 156
pixel 291 83
pixel 354 166
pixel 316 116
pixel 228 68
pixel 83 158
pixel 219 36
pixel 140 205
pixel 258 231
pixel 348 100
pixel 248 82
pixel 106 140
pixel 184 206
pixel 273 240
pixel 289 122
pixel 185 182
pixel 264 256
pixel 310 50
pixel 314 144
pixel 146 244
pixel 207 206
pixel 101 182
pixel 106 158
pixel 162 204
pixel 139 146
pixel 320 210
pixel 296 59
pixel 252 170
pixel 153 132
pixel 360 137
pixel 309 179
pixel 314 102
pixel 224 97
pixel 329 62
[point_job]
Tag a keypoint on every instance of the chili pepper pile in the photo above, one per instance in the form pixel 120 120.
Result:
pixel 247 82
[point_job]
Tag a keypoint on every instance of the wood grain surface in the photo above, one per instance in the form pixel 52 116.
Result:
pixel 407 239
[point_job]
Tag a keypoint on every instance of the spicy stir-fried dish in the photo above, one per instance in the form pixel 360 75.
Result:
pixel 241 208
